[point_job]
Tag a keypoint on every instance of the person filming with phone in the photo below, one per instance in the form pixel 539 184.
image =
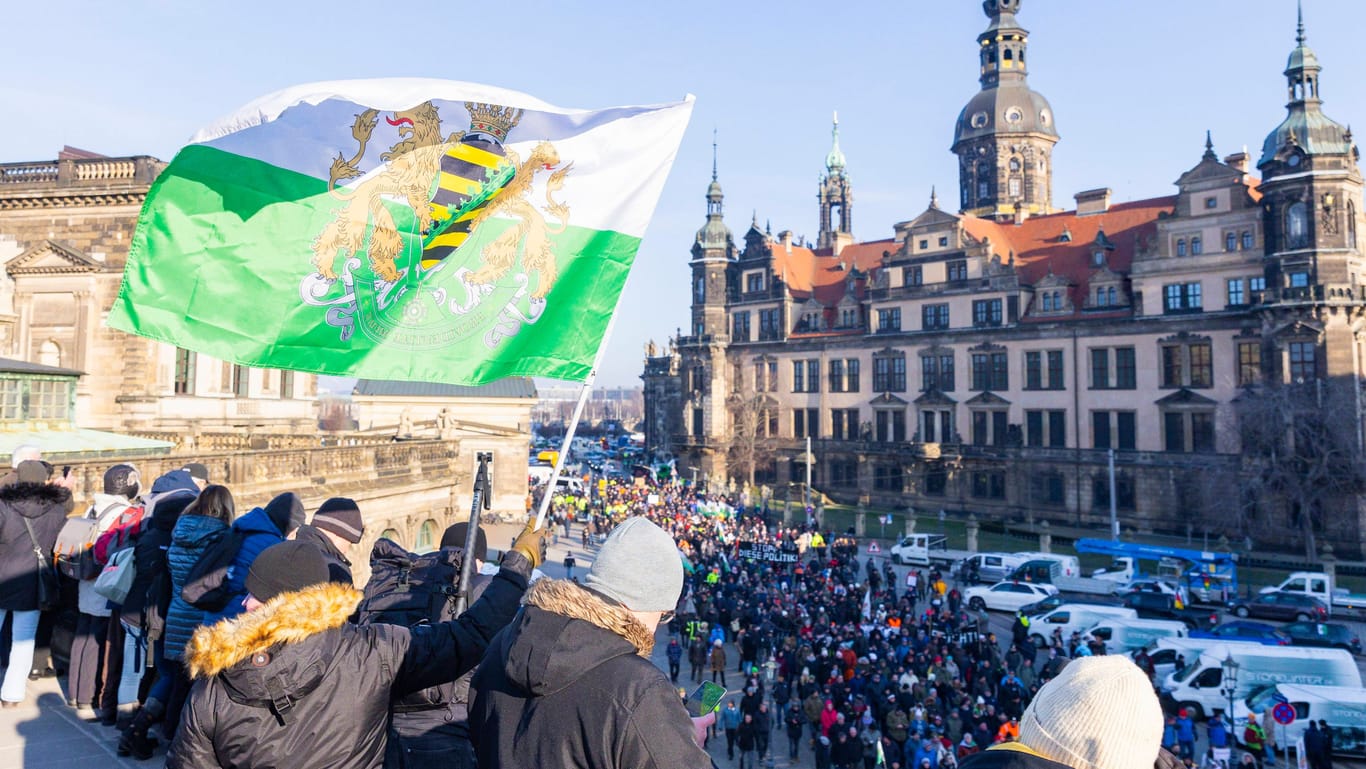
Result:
pixel 570 683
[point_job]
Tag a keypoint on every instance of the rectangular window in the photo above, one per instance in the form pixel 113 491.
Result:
pixel 1100 368
pixel 837 375
pixel 1100 430
pixel 1236 297
pixel 1174 429
pixel 184 371
pixel 958 271
pixel 1202 431
pixel 934 316
pixel 1249 363
pixel 1126 372
pixel 241 379
pixel 798 376
pixel 48 399
pixel 697 423
pixel 944 241
pixel 1000 367
pixel 1256 288
pixel 1033 371
pixel 759 384
pixel 889 374
pixel 1173 366
pixel 889 320
pixel 813 376
pixel 773 376
pixel 799 423
pixel 10 404
pixel 998 428
pixel 1299 279
pixel 769 327
pixel 851 381
pixel 980 428
pixel 989 485
pixel 1302 368
pixel 1047 489
pixel 990 371
pixel 1127 432
pixel 754 282
pixel 1202 366
pixel 740 327
pixel 1034 435
pixel 1181 297
pixel 986 312
pixel 286 385
pixel 1055 378
pixel 913 275
pixel 1057 429
pixel 1124 492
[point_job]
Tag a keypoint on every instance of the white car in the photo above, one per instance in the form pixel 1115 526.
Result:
pixel 1146 586
pixel 1006 596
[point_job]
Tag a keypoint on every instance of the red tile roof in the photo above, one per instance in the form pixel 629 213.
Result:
pixel 1039 250
pixel 806 270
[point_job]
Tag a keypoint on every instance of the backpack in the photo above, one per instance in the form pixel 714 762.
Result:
pixel 74 552
pixel 409 589
pixel 206 586
pixel 120 535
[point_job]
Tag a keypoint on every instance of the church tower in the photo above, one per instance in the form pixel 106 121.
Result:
pixel 713 251
pixel 1005 135
pixel 836 198
pixel 1311 191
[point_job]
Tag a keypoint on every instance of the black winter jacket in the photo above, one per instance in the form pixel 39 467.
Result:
pixel 338 566
pixel 150 595
pixel 570 685
pixel 45 508
pixel 1011 755
pixel 293 684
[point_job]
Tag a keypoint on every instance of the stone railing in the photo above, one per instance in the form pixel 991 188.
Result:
pixel 66 172
pixel 256 475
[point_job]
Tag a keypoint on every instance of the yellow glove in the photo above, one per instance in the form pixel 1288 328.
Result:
pixel 531 543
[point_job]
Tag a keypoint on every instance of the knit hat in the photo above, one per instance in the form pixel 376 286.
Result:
pixel 121 478
pixel 284 568
pixel 341 516
pixel 1099 713
pixel 33 471
pixel 286 512
pixel 639 567
pixel 455 537
pixel 197 471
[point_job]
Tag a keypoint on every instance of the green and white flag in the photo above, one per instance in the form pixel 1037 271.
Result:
pixel 412 229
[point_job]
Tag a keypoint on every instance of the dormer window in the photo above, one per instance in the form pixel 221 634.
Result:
pixel 1098 258
pixel 1230 242
pixel 1211 202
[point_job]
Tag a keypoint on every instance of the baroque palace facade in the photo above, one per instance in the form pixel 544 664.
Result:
pixel 994 360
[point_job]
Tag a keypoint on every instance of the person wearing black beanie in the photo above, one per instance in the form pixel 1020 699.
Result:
pixel 293 682
pixel 336 529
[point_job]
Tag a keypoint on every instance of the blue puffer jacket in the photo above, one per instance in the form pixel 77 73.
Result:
pixel 192 536
pixel 261 532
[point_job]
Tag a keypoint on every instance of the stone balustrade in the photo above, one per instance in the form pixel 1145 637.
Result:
pixel 28 173
pixel 81 172
pixel 314 471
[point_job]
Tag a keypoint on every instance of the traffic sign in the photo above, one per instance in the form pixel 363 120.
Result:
pixel 1284 713
pixel 873 548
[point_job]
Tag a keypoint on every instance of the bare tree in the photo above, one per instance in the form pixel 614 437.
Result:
pixel 752 442
pixel 1301 453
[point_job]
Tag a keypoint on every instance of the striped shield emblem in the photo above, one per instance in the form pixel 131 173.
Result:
pixel 472 173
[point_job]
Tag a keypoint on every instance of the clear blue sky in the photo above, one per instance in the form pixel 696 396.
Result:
pixel 1134 85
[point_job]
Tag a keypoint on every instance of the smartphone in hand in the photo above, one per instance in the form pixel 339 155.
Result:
pixel 705 699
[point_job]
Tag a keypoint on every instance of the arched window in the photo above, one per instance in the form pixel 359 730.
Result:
pixel 1297 225
pixel 1047 302
pixel 1247 240
pixel 1009 56
pixel 50 354
pixel 1112 296
pixel 1015 164
pixel 1057 300
pixel 1180 248
pixel 426 537
pixel 1100 297
pixel 1230 242
pixel 393 536
pixel 1197 246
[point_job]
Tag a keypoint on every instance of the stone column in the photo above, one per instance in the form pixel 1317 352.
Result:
pixel 973 527
pixel 910 521
pixel 1330 564
pixel 1045 538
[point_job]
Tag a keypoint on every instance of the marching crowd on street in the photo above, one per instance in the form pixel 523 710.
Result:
pixel 240 640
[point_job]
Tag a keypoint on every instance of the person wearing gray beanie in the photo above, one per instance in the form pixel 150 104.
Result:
pixel 1098 713
pixel 570 683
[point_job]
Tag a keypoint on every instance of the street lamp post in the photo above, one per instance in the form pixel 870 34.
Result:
pixel 1230 684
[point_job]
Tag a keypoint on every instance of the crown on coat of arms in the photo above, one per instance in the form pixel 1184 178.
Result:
pixel 493 119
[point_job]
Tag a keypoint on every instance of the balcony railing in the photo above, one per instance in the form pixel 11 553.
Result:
pixel 80 172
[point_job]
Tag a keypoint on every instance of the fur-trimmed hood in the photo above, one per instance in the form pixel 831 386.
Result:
pixel 34 499
pixel 287 618
pixel 563 633
pixel 569 599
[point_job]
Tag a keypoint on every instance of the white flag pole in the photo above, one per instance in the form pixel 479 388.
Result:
pixel 578 410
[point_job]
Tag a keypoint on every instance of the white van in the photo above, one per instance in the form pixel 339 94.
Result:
pixel 1164 652
pixel 1068 564
pixel 1343 707
pixel 990 567
pixel 1198 688
pixel 1121 636
pixel 1074 617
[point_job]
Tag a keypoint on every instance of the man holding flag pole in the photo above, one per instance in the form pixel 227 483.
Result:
pixel 402 229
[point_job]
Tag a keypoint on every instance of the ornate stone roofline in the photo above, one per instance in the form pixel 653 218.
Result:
pixel 69 201
pixel 135 170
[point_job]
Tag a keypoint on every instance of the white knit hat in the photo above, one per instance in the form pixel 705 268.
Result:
pixel 1099 713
